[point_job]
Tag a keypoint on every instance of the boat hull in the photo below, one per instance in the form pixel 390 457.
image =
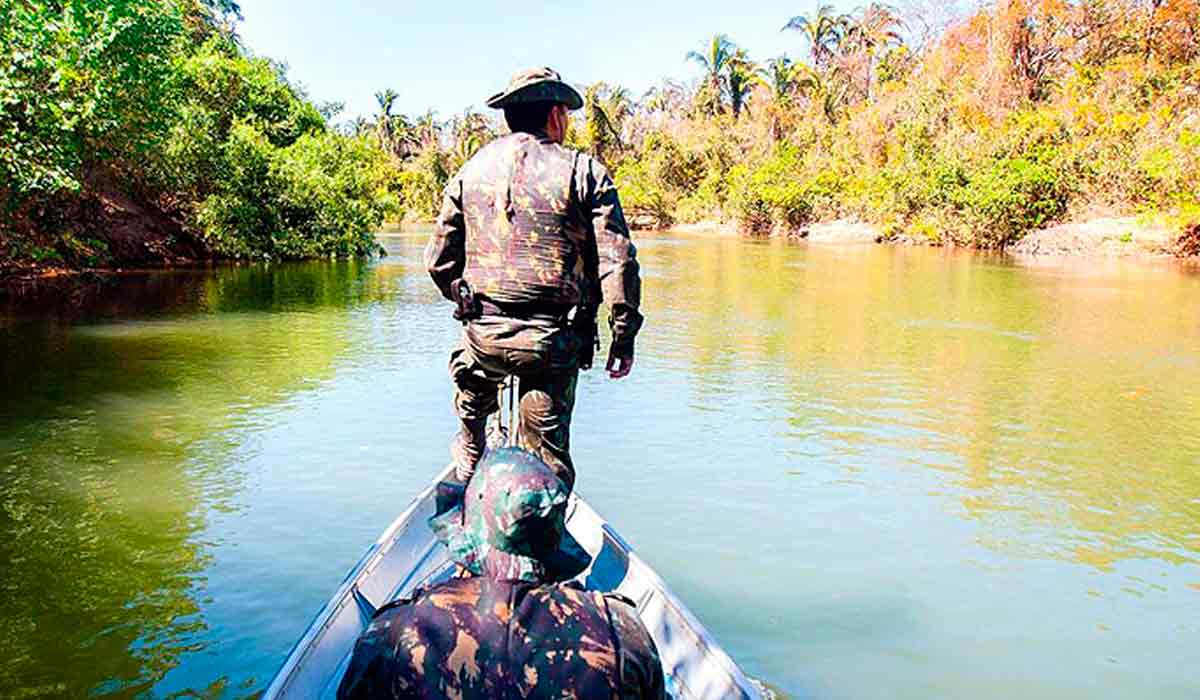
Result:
pixel 407 556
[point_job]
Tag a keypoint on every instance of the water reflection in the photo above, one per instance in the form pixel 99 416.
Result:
pixel 899 460
pixel 1064 396
pixel 116 440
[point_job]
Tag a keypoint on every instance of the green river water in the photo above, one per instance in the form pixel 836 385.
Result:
pixel 872 472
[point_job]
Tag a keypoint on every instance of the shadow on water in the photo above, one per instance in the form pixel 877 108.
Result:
pixel 112 397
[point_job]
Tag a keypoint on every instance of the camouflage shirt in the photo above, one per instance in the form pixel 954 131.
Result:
pixel 529 221
pixel 484 638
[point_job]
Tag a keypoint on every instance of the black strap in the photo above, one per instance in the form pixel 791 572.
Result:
pixel 402 600
pixel 554 312
pixel 618 650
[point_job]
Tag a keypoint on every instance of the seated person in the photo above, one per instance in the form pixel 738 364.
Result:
pixel 513 625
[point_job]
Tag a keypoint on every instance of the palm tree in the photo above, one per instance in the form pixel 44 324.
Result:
pixel 875 26
pixel 714 60
pixel 470 131
pixel 826 90
pixel 822 28
pixel 740 74
pixel 427 129
pixel 358 126
pixel 606 110
pixel 597 128
pixel 619 107
pixel 405 140
pixel 383 123
pixel 779 75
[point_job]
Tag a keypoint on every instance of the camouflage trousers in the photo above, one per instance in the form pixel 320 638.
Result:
pixel 544 355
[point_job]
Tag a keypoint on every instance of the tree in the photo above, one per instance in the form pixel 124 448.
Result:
pixel 1036 33
pixel 618 106
pixel 823 29
pixel 469 132
pixel 605 110
pixel 427 129
pixel 779 76
pixel 714 61
pixel 383 122
pixel 669 97
pixel 358 126
pixel 825 91
pixel 81 83
pixel 740 74
pixel 874 27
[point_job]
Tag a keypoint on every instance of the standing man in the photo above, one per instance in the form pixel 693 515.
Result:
pixel 530 239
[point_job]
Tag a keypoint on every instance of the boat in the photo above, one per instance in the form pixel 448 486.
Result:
pixel 408 556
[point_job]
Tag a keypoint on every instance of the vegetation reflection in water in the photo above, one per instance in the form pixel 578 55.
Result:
pixel 1065 383
pixel 117 438
pixel 893 466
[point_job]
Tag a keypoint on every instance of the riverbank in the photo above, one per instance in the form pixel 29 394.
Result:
pixel 135 239
pixel 1106 237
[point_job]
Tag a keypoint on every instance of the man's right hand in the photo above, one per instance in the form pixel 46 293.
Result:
pixel 619 365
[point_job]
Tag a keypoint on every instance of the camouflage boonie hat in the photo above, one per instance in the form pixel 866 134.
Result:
pixel 537 85
pixel 509 522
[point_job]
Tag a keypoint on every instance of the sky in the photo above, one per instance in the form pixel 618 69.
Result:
pixel 451 56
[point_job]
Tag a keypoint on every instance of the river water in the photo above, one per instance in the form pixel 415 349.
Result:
pixel 873 472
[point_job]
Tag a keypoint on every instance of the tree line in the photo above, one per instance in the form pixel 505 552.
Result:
pixel 144 130
pixel 969 127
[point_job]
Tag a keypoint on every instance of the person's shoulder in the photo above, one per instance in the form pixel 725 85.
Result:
pixel 586 168
pixel 553 152
pixel 491 155
pixel 399 609
pixel 587 162
pixel 440 595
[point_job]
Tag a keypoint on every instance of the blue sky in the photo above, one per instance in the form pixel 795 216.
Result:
pixel 450 56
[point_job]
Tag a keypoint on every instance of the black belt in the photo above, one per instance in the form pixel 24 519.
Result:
pixel 525 309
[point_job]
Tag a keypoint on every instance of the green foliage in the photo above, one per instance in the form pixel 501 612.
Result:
pixel 772 195
pixel 421 183
pixel 319 196
pixel 268 178
pixel 80 81
pixel 656 179
pixel 943 142
pixel 1010 197
pixel 156 97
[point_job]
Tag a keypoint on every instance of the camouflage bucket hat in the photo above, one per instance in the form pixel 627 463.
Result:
pixel 537 85
pixel 510 521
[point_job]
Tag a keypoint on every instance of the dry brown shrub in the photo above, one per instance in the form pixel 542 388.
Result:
pixel 1188 243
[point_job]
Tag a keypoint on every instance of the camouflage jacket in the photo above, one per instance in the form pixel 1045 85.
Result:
pixel 529 221
pixel 483 638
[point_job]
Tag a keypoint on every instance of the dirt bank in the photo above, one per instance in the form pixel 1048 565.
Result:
pixel 706 228
pixel 844 231
pixel 1121 237
pixel 105 227
pixel 1108 237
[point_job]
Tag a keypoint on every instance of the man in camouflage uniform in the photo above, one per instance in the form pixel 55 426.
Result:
pixel 510 628
pixel 536 233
